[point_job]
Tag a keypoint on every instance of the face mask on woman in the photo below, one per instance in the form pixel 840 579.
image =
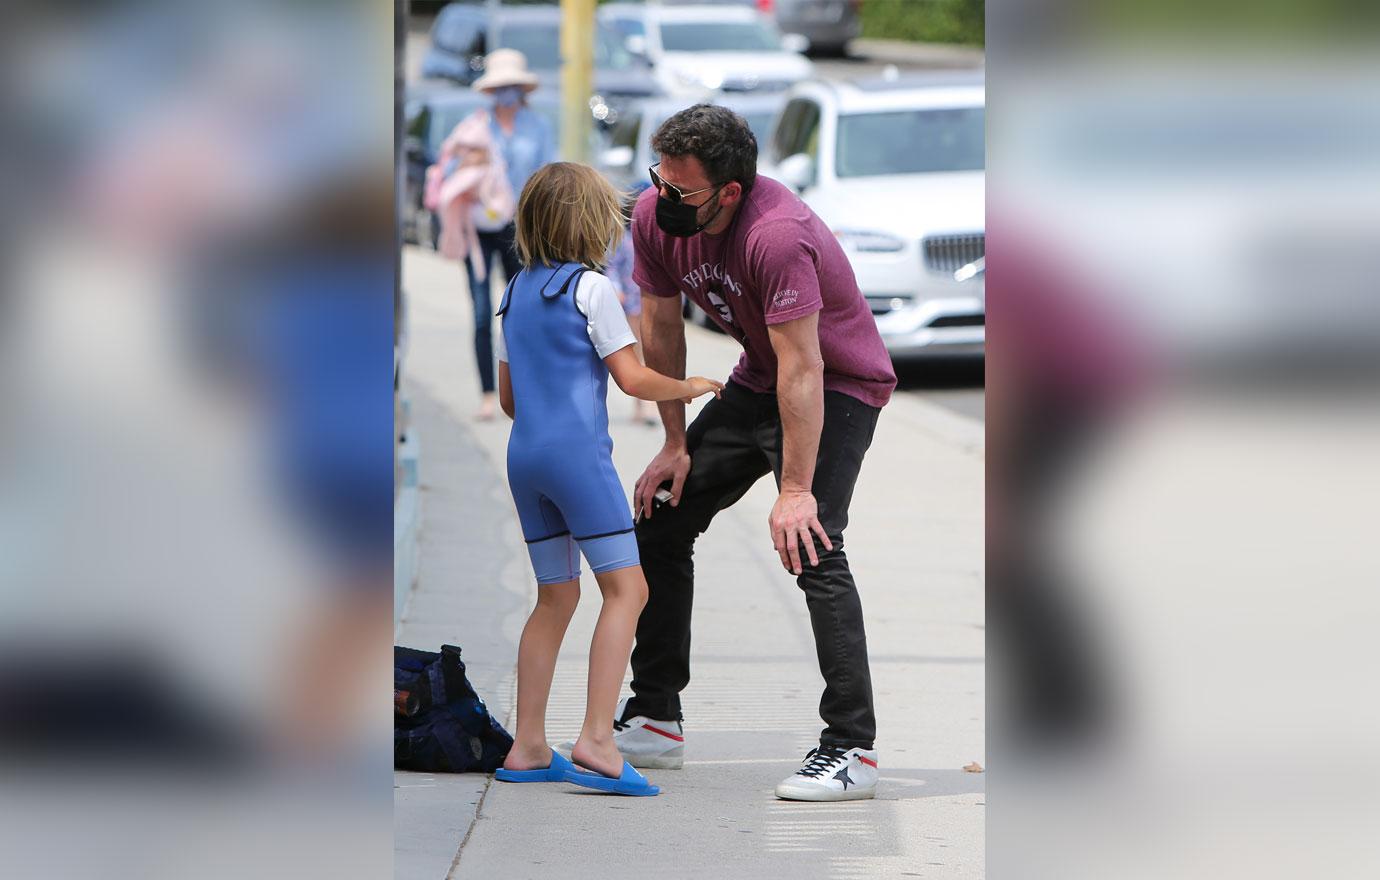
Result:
pixel 508 96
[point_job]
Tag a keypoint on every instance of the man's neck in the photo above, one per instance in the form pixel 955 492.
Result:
pixel 506 115
pixel 724 220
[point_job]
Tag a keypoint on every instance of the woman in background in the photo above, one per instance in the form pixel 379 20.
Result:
pixel 509 141
pixel 524 141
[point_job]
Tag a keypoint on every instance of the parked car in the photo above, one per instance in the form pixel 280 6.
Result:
pixel 827 24
pixel 431 112
pixel 896 168
pixel 697 50
pixel 463 34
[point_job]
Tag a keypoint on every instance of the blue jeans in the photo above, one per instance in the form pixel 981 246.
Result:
pixel 490 243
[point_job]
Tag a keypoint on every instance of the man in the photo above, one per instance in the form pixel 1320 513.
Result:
pixel 802 404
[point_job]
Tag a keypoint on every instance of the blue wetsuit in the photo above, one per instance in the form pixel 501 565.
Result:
pixel 560 455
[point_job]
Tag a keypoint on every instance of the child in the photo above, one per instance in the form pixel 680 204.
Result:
pixel 563 333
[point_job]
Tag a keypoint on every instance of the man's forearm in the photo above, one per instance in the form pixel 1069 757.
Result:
pixel 800 400
pixel 664 349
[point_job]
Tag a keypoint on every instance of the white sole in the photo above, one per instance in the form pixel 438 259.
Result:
pixel 672 760
pixel 818 795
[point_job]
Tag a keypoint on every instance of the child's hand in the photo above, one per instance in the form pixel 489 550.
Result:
pixel 699 385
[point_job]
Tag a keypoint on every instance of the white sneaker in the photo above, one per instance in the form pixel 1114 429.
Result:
pixel 832 774
pixel 646 743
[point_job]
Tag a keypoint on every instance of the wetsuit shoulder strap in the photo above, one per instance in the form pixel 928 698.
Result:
pixel 562 273
pixel 575 280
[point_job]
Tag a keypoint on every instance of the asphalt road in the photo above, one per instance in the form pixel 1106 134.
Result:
pixel 956 385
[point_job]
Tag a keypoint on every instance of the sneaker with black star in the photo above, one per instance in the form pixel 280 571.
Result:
pixel 829 773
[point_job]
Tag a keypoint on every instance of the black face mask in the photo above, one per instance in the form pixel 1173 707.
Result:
pixel 678 219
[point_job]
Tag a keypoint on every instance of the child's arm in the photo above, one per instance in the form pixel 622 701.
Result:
pixel 647 384
pixel 505 379
pixel 613 339
pixel 505 389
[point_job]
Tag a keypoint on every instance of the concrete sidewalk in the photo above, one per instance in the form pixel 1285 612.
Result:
pixel 915 541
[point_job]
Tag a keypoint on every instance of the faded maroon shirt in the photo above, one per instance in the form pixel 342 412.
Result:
pixel 776 262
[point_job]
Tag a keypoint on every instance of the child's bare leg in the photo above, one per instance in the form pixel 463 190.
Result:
pixel 541 642
pixel 625 593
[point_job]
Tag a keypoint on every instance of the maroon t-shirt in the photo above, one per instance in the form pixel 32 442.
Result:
pixel 776 262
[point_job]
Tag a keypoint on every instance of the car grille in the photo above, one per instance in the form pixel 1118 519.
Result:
pixel 949 253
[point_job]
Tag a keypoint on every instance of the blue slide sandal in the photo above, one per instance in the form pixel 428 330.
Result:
pixel 554 773
pixel 630 783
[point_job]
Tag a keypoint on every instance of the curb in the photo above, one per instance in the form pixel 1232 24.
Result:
pixel 407 524
pixel 901 52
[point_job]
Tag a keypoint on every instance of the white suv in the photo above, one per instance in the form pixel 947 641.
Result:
pixel 895 166
pixel 698 50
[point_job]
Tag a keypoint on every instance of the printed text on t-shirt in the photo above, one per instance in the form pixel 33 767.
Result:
pixel 706 271
pixel 784 299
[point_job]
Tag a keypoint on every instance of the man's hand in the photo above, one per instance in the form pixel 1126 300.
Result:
pixel 671 463
pixel 793 518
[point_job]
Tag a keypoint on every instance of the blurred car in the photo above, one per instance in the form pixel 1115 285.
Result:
pixel 896 168
pixel 827 24
pixel 697 50
pixel 464 33
pixel 431 112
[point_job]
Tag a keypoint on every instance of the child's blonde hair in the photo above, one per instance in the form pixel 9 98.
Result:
pixel 568 213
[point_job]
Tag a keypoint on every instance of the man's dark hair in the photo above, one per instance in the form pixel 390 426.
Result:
pixel 718 137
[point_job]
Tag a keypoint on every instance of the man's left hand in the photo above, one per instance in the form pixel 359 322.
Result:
pixel 794 518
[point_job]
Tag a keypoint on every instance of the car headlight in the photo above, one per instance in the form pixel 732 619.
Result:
pixel 869 242
pixel 972 270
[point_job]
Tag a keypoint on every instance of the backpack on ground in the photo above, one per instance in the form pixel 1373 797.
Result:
pixel 440 724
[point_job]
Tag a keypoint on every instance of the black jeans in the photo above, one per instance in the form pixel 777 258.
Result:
pixel 490 243
pixel 733 442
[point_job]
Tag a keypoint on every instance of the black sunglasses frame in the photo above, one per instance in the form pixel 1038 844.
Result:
pixel 676 197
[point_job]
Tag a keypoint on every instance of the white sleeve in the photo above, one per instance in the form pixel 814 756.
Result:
pixel 501 347
pixel 598 302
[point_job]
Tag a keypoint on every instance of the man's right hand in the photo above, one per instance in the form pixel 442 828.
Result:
pixel 671 463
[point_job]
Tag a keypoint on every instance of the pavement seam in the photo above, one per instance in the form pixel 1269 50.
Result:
pixel 479 807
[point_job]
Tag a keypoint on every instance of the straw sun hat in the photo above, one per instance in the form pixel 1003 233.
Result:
pixel 506 67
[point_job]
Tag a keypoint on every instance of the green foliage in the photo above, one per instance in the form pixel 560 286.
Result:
pixel 926 21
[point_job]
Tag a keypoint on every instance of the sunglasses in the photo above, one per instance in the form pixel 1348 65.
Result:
pixel 673 192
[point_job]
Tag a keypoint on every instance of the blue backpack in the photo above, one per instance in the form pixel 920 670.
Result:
pixel 440 725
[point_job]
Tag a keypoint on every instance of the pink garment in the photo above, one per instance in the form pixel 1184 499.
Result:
pixel 453 197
